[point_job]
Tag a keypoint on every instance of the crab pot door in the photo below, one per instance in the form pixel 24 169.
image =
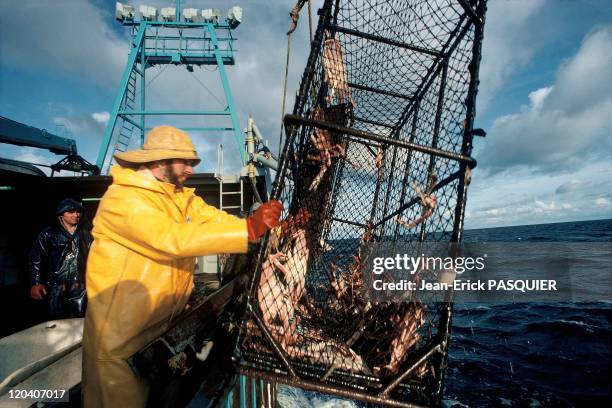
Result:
pixel 377 151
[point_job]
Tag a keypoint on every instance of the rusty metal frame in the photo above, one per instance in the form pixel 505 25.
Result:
pixel 299 120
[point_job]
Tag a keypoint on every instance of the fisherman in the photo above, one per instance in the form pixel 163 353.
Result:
pixel 147 232
pixel 57 262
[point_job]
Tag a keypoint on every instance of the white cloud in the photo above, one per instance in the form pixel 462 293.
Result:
pixel 81 126
pixel 32 155
pixel 585 80
pixel 508 44
pixel 35 156
pixel 73 38
pixel 567 124
pixel 101 117
pixel 523 198
pixel 541 206
pixel 538 97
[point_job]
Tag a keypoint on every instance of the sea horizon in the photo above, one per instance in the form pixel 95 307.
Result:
pixel 540 223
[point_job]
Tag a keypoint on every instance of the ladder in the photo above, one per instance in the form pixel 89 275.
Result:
pixel 221 178
pixel 127 126
pixel 230 193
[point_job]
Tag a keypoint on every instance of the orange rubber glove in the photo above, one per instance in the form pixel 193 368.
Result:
pixel 264 219
pixel 38 292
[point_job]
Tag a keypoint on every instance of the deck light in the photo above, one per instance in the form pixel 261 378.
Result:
pixel 168 13
pixel 211 15
pixel 124 12
pixel 148 13
pixel 190 14
pixel 234 16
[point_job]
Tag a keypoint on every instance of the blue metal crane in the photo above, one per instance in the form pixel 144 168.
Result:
pixel 17 133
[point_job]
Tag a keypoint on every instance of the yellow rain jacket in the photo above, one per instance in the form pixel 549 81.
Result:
pixel 140 275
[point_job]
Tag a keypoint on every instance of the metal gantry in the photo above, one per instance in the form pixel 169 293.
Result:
pixel 179 42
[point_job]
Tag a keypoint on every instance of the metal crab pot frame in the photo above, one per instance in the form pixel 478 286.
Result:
pixel 385 110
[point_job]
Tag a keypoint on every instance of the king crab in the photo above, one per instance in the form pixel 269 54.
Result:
pixel 428 202
pixel 283 280
pixel 322 140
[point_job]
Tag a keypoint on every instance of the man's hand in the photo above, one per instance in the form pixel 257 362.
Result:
pixel 38 291
pixel 263 219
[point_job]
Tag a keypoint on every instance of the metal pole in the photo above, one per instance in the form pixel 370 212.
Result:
pixel 110 127
pixel 389 186
pixel 309 70
pixel 390 387
pixel 242 391
pixel 143 68
pixel 250 141
pixel 228 93
pixel 415 199
pixel 289 119
pixel 408 163
pixel 270 163
pixel 466 148
pixel 277 349
pixel 330 389
pixel 436 134
pixel 387 41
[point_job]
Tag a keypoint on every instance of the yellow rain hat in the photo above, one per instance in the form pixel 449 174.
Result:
pixel 162 143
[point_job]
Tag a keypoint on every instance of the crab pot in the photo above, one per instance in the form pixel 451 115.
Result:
pixel 385 109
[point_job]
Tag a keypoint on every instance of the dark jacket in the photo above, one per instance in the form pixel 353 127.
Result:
pixel 58 259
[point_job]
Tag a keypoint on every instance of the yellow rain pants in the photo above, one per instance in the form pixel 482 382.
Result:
pixel 140 275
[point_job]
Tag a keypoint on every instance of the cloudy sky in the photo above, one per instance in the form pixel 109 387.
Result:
pixel 545 95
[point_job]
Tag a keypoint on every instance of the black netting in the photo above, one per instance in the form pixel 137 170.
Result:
pixel 377 150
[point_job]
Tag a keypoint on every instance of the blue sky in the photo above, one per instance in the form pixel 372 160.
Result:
pixel 545 95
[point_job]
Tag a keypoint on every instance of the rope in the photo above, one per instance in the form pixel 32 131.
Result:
pixel 206 88
pixel 280 136
pixel 295 15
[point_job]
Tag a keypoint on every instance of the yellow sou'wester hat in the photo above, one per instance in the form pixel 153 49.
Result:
pixel 162 143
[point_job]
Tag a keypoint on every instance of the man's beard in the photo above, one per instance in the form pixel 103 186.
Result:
pixel 173 178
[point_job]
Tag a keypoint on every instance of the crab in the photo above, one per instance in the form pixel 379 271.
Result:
pixel 279 293
pixel 322 140
pixel 379 161
pixel 428 201
pixel 335 73
pixel 274 302
pixel 406 336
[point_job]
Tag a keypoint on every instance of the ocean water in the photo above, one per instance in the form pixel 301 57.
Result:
pixel 521 354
